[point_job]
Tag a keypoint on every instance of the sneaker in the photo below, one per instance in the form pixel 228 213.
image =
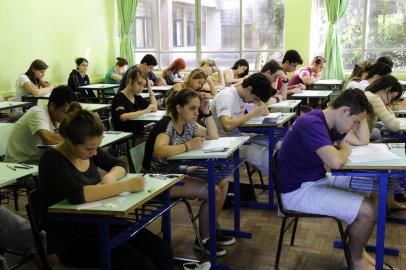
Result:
pixel 219 250
pixel 224 240
pixel 197 266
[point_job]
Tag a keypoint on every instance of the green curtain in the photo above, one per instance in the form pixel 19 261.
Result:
pixel 126 15
pixel 334 66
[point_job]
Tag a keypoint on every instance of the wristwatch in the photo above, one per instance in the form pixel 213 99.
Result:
pixel 204 115
pixel 285 81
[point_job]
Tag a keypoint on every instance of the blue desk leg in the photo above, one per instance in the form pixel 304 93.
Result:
pixel 380 234
pixel 166 219
pixel 105 250
pixel 212 214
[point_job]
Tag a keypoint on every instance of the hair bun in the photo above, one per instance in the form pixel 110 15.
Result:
pixel 74 107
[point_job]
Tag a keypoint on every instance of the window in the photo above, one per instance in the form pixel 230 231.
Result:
pixel 369 29
pixel 224 31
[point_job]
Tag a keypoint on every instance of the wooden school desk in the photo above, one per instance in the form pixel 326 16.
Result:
pixel 273 132
pixel 214 160
pixel 112 211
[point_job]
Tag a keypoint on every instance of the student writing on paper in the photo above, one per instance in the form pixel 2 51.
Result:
pixel 323 138
pixel 172 74
pixel 291 60
pixel 128 104
pixel 380 94
pixel 39 125
pixel 115 74
pixel 32 82
pixel 310 74
pixel 179 133
pixel 70 171
pixel 229 113
pixel 237 72
pixel 78 77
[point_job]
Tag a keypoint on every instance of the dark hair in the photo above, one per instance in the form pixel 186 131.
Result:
pixel 385 60
pixel 293 57
pixel 37 64
pixel 121 62
pixel 80 124
pixel 379 69
pixel 272 66
pixel 358 70
pixel 134 74
pixel 318 60
pixel 384 82
pixel 61 95
pixel 181 98
pixel 261 86
pixel 80 60
pixel 149 59
pixel 242 62
pixel 355 99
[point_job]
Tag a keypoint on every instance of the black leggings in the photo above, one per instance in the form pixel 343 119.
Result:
pixel 144 251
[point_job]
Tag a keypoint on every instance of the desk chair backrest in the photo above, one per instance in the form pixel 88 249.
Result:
pixel 135 157
pixel 36 217
pixel 276 182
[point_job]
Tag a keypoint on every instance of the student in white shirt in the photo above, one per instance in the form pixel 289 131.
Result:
pixel 229 113
pixel 377 70
pixel 32 82
pixel 38 126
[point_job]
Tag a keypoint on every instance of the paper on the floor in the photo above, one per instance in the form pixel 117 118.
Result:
pixel 371 152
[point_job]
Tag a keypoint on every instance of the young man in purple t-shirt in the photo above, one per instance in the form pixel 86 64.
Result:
pixel 310 74
pixel 324 137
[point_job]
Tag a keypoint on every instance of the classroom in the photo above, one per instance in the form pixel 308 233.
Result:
pixel 203 134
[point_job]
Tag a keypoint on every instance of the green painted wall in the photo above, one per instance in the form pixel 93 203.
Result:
pixel 56 31
pixel 297 26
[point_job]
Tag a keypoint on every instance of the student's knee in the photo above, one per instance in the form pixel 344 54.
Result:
pixel 367 211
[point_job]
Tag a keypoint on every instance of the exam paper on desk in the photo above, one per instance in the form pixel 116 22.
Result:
pixel 371 152
pixel 220 143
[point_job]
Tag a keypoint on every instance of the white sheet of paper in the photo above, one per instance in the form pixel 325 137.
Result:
pixel 219 143
pixel 371 152
pixel 259 120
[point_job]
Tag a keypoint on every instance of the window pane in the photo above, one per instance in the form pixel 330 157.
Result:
pixel 223 60
pixel 387 24
pixel 227 15
pixel 263 24
pixel 190 59
pixel 350 58
pixel 398 58
pixel 350 27
pixel 177 24
pixel 256 60
pixel 143 27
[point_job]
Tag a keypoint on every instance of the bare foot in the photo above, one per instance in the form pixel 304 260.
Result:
pixel 362 264
pixel 368 258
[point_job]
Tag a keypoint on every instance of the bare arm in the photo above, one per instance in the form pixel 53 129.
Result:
pixel 229 124
pixel 49 138
pixel 333 157
pixel 359 135
pixel 34 90
pixel 116 77
pixel 113 175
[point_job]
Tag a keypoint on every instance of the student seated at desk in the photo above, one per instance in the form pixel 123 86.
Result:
pixel 147 64
pixel 274 72
pixel 178 133
pixel 39 125
pixel 237 73
pixel 115 74
pixel 195 80
pixel 211 69
pixel 129 104
pixel 15 236
pixel 377 70
pixel 323 138
pixel 32 82
pixel 78 77
pixel 172 74
pixel 310 74
pixel 385 60
pixel 359 73
pixel 291 60
pixel 228 110
pixel 70 171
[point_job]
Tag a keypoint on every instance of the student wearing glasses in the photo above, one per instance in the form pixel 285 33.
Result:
pixel 310 74
pixel 129 104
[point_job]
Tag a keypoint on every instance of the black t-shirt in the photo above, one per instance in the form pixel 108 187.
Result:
pixel 121 105
pixel 60 180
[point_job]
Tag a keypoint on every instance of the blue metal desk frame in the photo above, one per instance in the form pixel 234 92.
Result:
pixel 382 194
pixel 213 178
